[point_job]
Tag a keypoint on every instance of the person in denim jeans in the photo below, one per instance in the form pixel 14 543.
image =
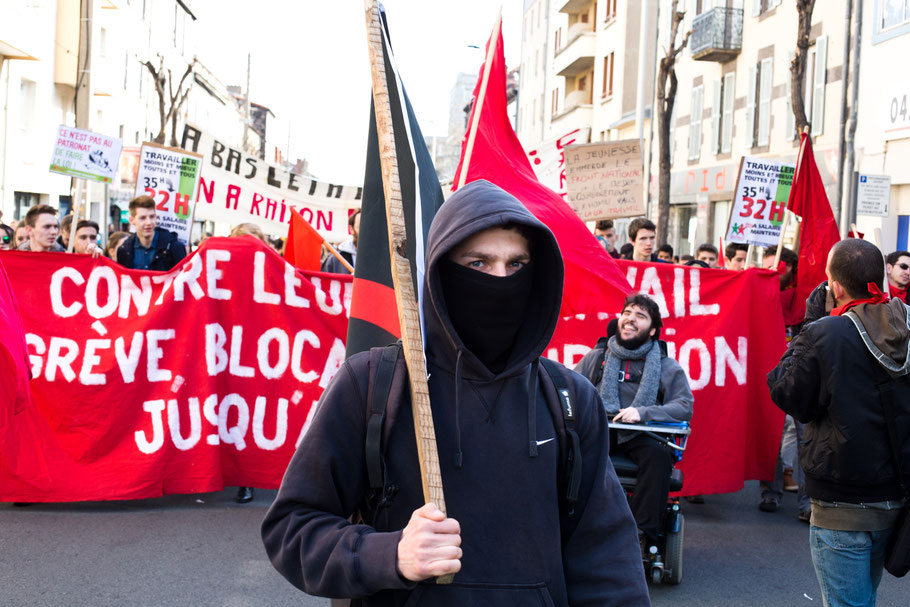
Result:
pixel 839 377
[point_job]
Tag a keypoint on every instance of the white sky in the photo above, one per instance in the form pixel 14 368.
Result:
pixel 310 64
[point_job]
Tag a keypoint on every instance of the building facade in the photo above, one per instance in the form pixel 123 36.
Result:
pixel 39 52
pixel 733 97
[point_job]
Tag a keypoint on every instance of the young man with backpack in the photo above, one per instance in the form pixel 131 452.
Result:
pixel 640 383
pixel 535 513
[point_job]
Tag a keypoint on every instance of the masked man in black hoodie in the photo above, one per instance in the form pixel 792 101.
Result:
pixel 847 377
pixel 493 293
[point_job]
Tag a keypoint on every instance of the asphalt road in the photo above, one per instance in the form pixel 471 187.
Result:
pixel 205 550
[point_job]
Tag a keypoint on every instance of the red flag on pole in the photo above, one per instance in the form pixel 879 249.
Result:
pixel 491 151
pixel 304 246
pixel 818 231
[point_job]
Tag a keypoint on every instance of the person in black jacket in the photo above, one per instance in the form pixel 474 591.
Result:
pixel 151 247
pixel 840 376
pixel 493 289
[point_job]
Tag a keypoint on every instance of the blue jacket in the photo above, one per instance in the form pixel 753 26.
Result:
pixel 168 252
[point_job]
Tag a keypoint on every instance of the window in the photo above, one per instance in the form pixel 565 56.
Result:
pixel 790 126
pixel 557 40
pixel 102 44
pixel 672 142
pixel 23 202
pixel 715 116
pixel 608 76
pixel 763 6
pixel 697 108
pixel 610 10
pixel 764 103
pixel 894 13
pixel 554 102
pixel 27 105
pixel 534 112
pixel 750 106
pixel 726 131
pixel 819 80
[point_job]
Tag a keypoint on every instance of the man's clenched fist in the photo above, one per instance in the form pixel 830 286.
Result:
pixel 430 545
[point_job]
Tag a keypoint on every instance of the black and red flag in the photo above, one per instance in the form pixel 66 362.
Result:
pixel 374 311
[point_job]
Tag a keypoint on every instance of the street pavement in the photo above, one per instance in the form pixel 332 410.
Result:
pixel 205 550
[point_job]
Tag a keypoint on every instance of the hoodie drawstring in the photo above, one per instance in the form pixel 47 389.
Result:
pixel 458 455
pixel 532 409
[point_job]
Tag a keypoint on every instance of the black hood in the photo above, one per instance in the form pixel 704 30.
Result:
pixel 473 208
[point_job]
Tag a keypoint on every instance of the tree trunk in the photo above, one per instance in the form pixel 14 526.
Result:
pixel 169 103
pixel 798 65
pixel 666 99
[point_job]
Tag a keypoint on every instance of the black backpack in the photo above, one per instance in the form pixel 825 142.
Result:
pixel 388 385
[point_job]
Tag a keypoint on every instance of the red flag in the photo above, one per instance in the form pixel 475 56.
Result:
pixel 818 232
pixel 304 246
pixel 593 281
pixel 14 369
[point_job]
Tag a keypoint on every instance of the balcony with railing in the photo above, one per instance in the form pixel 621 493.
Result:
pixel 717 34
pixel 577 111
pixel 577 54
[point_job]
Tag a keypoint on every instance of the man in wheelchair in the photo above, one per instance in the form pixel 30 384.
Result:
pixel 639 383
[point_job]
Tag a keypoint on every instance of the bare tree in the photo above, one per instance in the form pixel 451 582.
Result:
pixel 666 99
pixel 171 100
pixel 798 65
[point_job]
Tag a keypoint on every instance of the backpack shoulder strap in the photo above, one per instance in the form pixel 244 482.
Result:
pixel 565 425
pixel 382 370
pixel 597 373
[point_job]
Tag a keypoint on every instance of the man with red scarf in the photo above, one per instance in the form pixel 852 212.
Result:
pixel 840 376
pixel 898 266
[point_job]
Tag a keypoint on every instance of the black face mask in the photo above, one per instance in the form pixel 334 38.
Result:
pixel 486 311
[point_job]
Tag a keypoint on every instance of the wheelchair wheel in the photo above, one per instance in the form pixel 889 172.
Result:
pixel 674 558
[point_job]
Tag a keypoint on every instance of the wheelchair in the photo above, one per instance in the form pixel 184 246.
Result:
pixel 664 561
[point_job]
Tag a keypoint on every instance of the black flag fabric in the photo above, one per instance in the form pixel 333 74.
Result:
pixel 374 311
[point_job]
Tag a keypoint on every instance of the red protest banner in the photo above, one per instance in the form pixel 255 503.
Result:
pixel 726 331
pixel 151 383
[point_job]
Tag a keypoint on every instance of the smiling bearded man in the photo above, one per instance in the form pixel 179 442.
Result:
pixel 639 383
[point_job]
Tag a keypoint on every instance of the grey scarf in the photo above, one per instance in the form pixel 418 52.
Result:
pixel 614 354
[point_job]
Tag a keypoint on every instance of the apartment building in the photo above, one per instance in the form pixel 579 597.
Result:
pixel 734 100
pixel 580 76
pixel 40 41
pixel 580 69
pixel 883 111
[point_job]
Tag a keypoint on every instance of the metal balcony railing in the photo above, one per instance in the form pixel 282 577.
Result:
pixel 717 34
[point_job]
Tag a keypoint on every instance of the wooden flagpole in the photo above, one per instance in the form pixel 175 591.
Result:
pixel 783 228
pixel 408 313
pixel 77 202
pixel 478 103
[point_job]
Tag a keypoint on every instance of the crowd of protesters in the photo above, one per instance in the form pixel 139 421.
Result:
pixel 823 476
